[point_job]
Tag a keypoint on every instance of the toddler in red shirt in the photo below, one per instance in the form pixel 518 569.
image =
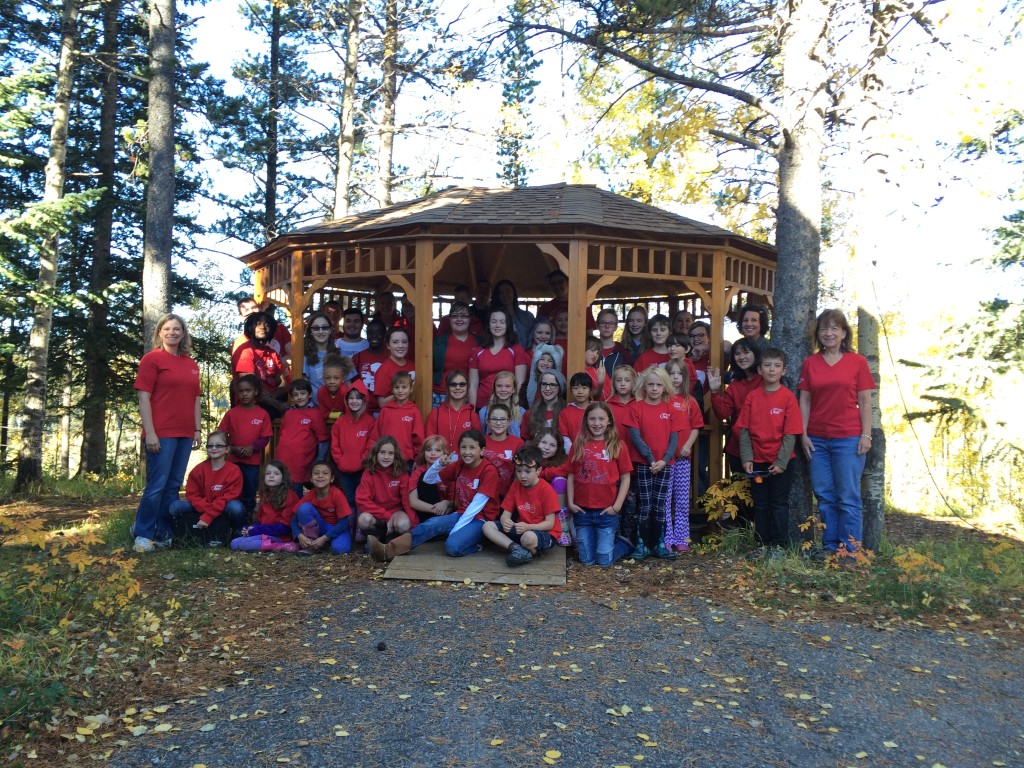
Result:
pixel 528 523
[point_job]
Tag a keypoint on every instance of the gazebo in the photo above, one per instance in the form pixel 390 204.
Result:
pixel 612 248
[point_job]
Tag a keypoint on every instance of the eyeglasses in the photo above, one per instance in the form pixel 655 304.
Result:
pixel 319 327
pixel 459 317
pixel 527 464
pixel 458 384
pixel 608 323
pixel 547 384
pixel 696 336
pixel 215 446
pixel 497 419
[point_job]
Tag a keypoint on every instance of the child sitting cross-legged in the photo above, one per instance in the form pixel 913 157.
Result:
pixel 529 520
pixel 273 528
pixel 322 519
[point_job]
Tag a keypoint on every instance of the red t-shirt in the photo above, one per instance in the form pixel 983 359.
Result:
pixel 489 365
pixel 570 420
pixel 209 490
pixel 282 338
pixel 649 358
pixel 331 406
pixel 388 368
pixel 500 453
pixel 456 358
pixel 483 478
pixel 727 405
pixel 351 440
pixel 450 424
pixel 620 414
pixel 332 508
pixel 834 388
pixel 244 427
pixel 595 476
pixel 173 385
pixel 402 422
pixel 366 363
pixel 533 505
pixel 656 422
pixel 690 418
pixel 264 362
pixel 302 429
pixel 769 416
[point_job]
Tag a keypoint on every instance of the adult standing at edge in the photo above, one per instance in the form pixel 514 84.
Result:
pixel 835 402
pixel 168 380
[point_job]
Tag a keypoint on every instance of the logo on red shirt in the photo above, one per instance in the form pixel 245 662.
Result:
pixel 217 487
pixel 257 422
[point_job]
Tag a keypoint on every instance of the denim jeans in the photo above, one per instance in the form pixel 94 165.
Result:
pixel 835 476
pixel 165 472
pixel 466 540
pixel 250 484
pixel 307 513
pixel 595 536
pixel 432 527
pixel 223 528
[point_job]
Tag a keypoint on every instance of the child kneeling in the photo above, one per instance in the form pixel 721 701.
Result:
pixel 529 520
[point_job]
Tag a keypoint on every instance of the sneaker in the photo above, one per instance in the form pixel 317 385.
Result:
pixel 820 555
pixel 518 555
pixel 213 544
pixel 664 552
pixel 143 544
pixel 164 543
pixel 757 554
pixel 641 552
pixel 776 554
pixel 682 547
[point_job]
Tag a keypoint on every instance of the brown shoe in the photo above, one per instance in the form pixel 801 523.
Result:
pixel 377 549
pixel 399 546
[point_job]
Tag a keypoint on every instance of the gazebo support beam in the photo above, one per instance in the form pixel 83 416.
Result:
pixel 578 305
pixel 422 298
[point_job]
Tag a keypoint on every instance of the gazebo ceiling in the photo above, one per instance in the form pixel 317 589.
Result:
pixel 501 228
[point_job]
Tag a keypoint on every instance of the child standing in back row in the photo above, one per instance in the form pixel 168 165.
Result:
pixel 330 398
pixel 769 425
pixel 303 435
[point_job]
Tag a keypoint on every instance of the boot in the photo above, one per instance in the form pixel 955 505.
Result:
pixel 378 551
pixel 398 546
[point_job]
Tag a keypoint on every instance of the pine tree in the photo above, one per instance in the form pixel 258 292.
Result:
pixel 517 67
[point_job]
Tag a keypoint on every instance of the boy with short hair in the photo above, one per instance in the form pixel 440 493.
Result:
pixel 529 519
pixel 330 398
pixel 400 418
pixel 769 424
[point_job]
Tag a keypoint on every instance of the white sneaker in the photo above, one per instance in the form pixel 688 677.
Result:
pixel 143 544
pixel 162 543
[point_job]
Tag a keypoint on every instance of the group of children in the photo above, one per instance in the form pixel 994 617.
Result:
pixel 606 465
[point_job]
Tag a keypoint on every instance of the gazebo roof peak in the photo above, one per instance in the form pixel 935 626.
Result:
pixel 559 205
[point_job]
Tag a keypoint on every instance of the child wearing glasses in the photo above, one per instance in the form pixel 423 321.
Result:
pixel 529 522
pixel 501 446
pixel 210 509
pixel 504 393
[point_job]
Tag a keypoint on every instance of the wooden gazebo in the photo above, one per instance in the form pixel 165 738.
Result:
pixel 611 247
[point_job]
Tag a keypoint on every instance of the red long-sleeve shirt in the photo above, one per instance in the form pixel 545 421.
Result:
pixel 381 494
pixel 209 490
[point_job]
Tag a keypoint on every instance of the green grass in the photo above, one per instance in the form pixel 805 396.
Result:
pixel 87 488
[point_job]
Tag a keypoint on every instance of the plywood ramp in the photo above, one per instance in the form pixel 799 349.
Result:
pixel 429 563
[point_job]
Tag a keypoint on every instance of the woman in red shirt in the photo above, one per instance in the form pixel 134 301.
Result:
pixel 499 352
pixel 169 407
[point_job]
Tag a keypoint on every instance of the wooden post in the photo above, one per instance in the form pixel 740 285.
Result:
pixel 422 299
pixel 717 309
pixel 577 306
pixel 295 296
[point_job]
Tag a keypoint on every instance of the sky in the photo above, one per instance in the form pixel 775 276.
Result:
pixel 933 218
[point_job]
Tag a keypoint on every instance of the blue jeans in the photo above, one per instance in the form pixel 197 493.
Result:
pixel 223 528
pixel 234 512
pixel 835 476
pixel 250 483
pixel 341 544
pixel 595 536
pixel 165 472
pixel 466 540
pixel 432 527
pixel 349 482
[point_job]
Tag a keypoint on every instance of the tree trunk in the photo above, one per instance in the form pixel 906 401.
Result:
pixel 274 107
pixel 347 134
pixel 798 233
pixel 156 271
pixel 389 87
pixel 63 464
pixel 94 416
pixel 30 459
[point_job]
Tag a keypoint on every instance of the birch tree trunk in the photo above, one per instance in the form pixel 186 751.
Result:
pixel 389 88
pixel 159 239
pixel 30 458
pixel 347 134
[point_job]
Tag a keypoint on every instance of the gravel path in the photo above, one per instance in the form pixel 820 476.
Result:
pixel 411 674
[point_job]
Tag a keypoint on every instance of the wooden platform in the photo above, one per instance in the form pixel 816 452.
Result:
pixel 429 563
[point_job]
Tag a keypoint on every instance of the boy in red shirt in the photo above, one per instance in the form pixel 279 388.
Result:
pixel 249 429
pixel 769 425
pixel 529 519
pixel 302 438
pixel 330 398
